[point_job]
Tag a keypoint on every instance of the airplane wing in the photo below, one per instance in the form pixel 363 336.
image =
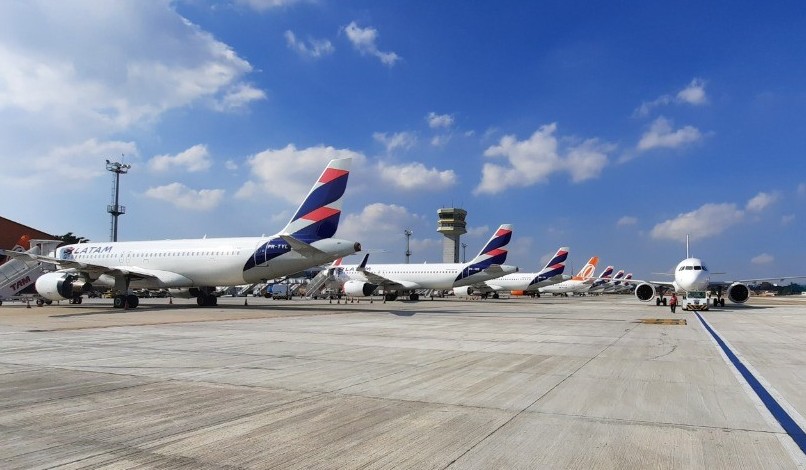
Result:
pixel 751 281
pixel 306 250
pixel 94 270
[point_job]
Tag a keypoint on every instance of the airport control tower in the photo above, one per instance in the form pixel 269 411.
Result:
pixel 452 225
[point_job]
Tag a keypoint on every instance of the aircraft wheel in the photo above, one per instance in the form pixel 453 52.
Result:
pixel 495 296
pixel 721 302
pixel 40 302
pixel 664 302
pixel 119 301
pixel 213 301
pixel 200 301
pixel 132 300
pixel 657 301
pixel 414 296
pixel 1 302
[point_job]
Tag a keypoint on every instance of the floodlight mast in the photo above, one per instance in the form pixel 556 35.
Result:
pixel 116 209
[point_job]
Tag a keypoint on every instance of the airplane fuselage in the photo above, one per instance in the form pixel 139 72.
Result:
pixel 691 275
pixel 202 262
pixel 425 276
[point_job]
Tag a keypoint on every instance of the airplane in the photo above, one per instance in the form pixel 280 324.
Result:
pixel 602 281
pixel 364 280
pixel 525 283
pixel 194 267
pixel 692 278
pixel 576 284
pixel 623 285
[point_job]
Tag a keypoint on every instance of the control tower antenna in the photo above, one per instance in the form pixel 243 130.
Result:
pixel 116 209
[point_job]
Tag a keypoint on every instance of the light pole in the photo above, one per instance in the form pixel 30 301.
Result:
pixel 116 209
pixel 407 233
pixel 464 252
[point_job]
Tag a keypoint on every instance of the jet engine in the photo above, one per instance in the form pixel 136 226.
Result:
pixel 359 288
pixel 61 286
pixel 645 292
pixel 184 293
pixel 464 291
pixel 738 293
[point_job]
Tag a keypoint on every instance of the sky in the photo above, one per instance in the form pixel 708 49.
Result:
pixel 612 128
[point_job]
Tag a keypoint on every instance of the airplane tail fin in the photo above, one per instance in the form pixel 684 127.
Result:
pixel 587 271
pixel 318 216
pixel 494 251
pixel 23 244
pixel 556 264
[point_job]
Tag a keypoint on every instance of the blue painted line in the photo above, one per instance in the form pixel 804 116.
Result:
pixel 790 426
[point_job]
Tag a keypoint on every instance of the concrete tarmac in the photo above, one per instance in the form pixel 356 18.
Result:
pixel 442 384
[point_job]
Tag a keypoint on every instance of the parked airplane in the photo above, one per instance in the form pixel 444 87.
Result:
pixel 691 277
pixel 364 280
pixel 526 283
pixel 194 267
pixel 613 283
pixel 603 281
pixel 578 283
pixel 623 285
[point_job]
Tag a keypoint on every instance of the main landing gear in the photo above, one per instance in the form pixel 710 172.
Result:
pixel 206 300
pixel 126 301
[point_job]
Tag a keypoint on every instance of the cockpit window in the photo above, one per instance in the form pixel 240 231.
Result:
pixel 689 268
pixel 698 268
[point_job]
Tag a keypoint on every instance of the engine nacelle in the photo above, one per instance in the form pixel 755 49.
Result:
pixel 464 291
pixel 184 293
pixel 738 293
pixel 359 288
pixel 645 292
pixel 61 286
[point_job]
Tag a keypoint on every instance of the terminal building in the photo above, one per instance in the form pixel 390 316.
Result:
pixel 452 224
pixel 11 232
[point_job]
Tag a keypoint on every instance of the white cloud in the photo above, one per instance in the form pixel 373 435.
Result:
pixel 801 189
pixel 230 165
pixel 194 159
pixel 401 140
pixel 61 87
pixel 263 5
pixel 363 40
pixel 289 173
pixel 316 48
pixel 479 231
pixel 661 135
pixel 761 201
pixel 84 161
pixel 693 94
pixel 185 198
pixel 440 140
pixel 763 258
pixel 436 121
pixel 787 219
pixel 533 160
pixel 415 176
pixel 707 221
pixel 626 221
pixel 378 221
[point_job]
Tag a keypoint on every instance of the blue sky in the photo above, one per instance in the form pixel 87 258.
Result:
pixel 614 129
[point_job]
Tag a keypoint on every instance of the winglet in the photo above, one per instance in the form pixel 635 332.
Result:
pixel 363 265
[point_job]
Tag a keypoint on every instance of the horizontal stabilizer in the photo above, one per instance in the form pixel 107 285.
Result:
pixel 305 249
